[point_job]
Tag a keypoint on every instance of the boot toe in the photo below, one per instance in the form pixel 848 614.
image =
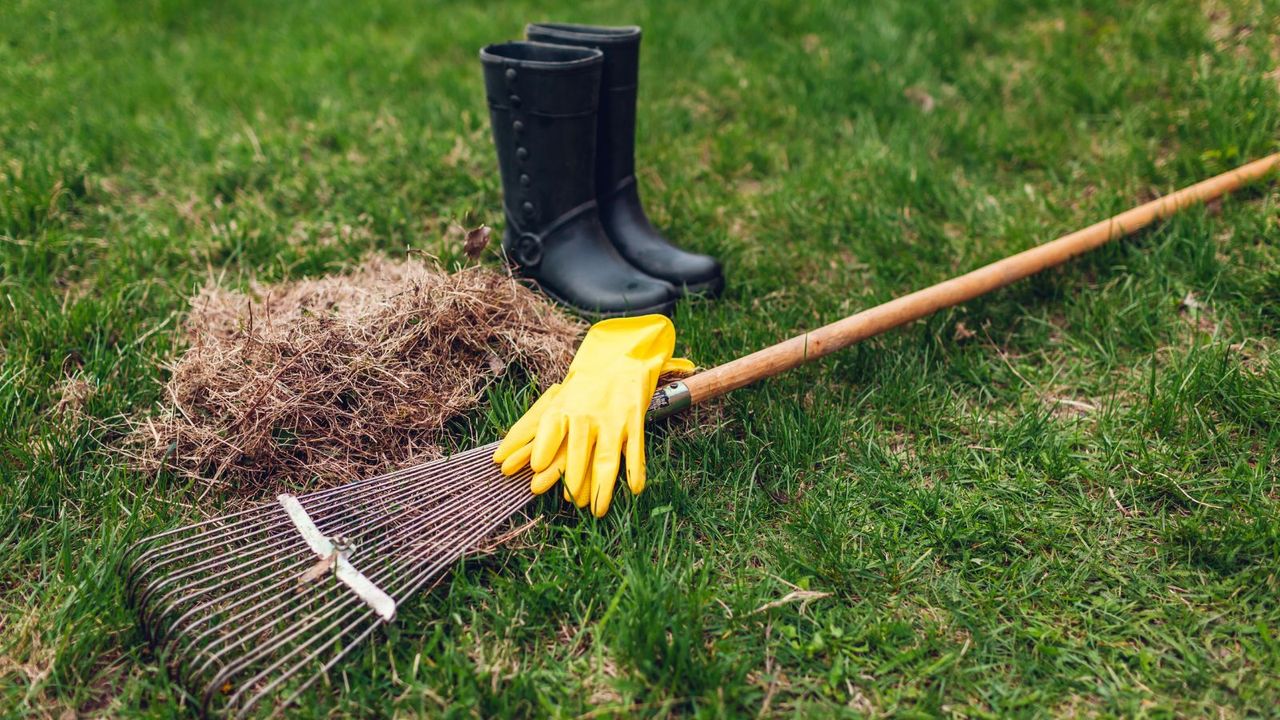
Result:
pixel 698 274
pixel 645 295
pixel 688 272
pixel 631 296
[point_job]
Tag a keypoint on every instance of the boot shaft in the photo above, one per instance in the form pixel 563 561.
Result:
pixel 615 162
pixel 543 101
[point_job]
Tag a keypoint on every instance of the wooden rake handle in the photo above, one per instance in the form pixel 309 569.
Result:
pixel 871 322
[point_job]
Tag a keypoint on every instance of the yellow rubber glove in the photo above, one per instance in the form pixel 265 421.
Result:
pixel 580 427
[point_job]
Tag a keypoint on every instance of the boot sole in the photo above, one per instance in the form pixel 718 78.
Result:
pixel 707 288
pixel 666 308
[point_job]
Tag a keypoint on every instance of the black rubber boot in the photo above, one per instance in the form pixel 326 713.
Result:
pixel 542 105
pixel 620 209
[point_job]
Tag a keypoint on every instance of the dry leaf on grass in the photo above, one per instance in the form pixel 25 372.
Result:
pixel 476 241
pixel 963 332
pixel 1191 302
pixel 920 97
pixel 804 597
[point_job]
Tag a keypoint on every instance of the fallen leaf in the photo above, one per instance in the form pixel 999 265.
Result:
pixel 476 241
pixel 962 332
pixel 1079 407
pixel 1198 314
pixel 496 366
pixel 804 597
pixel 920 97
pixel 318 570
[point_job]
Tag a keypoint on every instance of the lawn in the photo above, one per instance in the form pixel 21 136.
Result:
pixel 1059 500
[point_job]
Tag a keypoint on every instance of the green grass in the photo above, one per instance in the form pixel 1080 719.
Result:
pixel 1073 511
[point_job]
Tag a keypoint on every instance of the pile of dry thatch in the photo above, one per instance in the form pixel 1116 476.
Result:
pixel 323 381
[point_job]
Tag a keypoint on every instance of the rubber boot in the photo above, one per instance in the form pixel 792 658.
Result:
pixel 620 209
pixel 542 106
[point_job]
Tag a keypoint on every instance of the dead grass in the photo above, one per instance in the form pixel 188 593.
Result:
pixel 72 393
pixel 327 380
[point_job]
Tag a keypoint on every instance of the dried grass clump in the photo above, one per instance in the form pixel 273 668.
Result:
pixel 328 380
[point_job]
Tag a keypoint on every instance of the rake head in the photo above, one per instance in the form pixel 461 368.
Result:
pixel 252 608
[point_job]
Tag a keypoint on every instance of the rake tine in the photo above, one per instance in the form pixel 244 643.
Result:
pixel 250 517
pixel 410 494
pixel 376 576
pixel 428 575
pixel 482 526
pixel 477 531
pixel 285 537
pixel 216 596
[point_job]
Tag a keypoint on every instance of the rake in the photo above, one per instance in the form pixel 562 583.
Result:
pixel 251 609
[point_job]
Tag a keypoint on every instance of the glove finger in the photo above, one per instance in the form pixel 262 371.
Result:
pixel 543 481
pixel 516 461
pixel 546 442
pixel 604 469
pixel 580 441
pixel 523 431
pixel 584 496
pixel 635 454
pixel 584 499
pixel 659 338
pixel 678 366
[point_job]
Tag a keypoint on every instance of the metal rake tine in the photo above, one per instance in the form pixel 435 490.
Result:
pixel 156 581
pixel 412 543
pixel 363 615
pixel 520 500
pixel 188 545
pixel 340 493
pixel 394 545
pixel 424 520
pixel 192 545
pixel 336 624
pixel 284 536
pixel 478 529
pixel 215 527
pixel 408 527
pixel 293 543
pixel 150 539
pixel 293 697
pixel 191 616
pixel 171 598
pixel 417 493
pixel 402 562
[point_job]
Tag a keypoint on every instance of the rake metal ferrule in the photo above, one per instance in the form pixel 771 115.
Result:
pixel 669 399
